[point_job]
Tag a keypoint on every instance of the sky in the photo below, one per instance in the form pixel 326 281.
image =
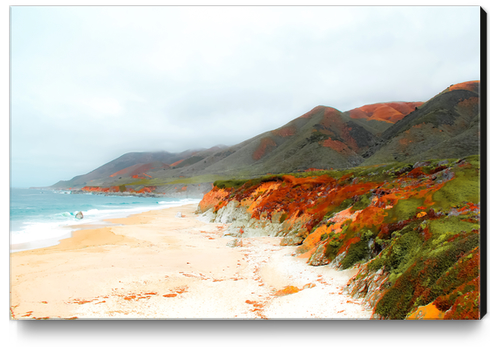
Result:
pixel 88 84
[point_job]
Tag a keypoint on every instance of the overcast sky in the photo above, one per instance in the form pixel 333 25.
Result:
pixel 89 84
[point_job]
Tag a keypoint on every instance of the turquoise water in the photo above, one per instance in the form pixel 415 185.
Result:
pixel 41 217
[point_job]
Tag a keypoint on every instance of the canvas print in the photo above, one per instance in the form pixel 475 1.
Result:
pixel 245 163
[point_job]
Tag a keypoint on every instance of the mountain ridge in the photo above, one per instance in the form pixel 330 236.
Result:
pixel 322 138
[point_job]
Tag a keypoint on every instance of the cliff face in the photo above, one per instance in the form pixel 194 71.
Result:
pixel 411 229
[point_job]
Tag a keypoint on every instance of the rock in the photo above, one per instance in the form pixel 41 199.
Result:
pixel 178 215
pixel 207 217
pixel 235 243
pixel 318 257
pixel 420 164
pixel 291 241
pixel 79 215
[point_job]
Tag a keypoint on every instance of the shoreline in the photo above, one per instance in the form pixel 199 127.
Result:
pixel 155 265
pixel 68 227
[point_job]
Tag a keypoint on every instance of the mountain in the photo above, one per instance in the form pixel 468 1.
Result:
pixel 445 126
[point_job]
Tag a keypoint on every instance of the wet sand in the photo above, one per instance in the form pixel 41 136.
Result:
pixel 155 265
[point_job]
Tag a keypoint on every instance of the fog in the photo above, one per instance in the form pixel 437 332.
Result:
pixel 89 84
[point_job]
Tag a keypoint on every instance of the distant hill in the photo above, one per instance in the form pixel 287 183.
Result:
pixel 446 126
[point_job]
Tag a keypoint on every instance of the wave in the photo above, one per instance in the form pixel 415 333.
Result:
pixel 60 225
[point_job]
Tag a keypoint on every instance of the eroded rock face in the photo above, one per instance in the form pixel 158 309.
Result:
pixel 368 285
pixel 241 220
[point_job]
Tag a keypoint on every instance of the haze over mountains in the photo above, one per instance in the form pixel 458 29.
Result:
pixel 446 126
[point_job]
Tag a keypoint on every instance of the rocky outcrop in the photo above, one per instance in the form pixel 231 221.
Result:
pixel 241 222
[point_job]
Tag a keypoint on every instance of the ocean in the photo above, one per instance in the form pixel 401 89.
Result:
pixel 40 218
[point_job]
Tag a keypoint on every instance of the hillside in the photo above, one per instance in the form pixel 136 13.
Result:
pixel 412 230
pixel 446 126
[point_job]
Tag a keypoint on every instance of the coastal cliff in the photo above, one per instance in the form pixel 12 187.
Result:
pixel 411 229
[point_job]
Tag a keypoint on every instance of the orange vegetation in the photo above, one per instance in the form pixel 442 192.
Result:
pixel 336 145
pixel 177 163
pixel 390 112
pixel 213 199
pixel 429 311
pixel 470 85
pixel 266 145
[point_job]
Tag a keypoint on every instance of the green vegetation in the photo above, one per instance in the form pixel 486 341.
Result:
pixel 357 252
pixel 465 187
pixel 238 183
pixel 403 210
pixel 362 202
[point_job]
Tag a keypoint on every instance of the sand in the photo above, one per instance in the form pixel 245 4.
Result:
pixel 156 266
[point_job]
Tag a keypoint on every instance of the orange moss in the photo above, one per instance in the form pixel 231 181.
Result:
pixel 148 189
pixel 312 240
pixel 177 163
pixel 213 198
pixel 429 312
pixel 390 112
pixel 473 86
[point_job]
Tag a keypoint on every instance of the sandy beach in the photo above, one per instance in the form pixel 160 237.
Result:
pixel 155 265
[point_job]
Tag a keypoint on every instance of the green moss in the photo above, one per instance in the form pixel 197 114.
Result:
pixel 356 253
pixel 195 179
pixel 122 188
pixel 405 249
pixel 284 216
pixel 465 187
pixel 403 210
pixel 246 183
pixel 362 202
pixel 407 290
pixel 451 225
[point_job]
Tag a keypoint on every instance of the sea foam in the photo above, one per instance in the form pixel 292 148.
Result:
pixel 42 219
